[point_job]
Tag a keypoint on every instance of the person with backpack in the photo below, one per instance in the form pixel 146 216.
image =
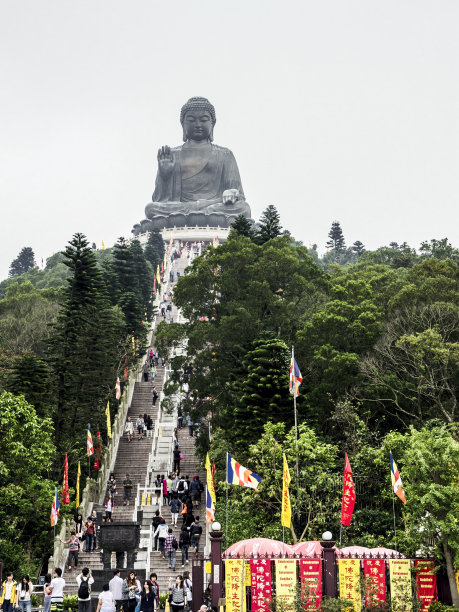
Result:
pixel 175 508
pixel 195 491
pixel 171 548
pixel 155 522
pixel 184 543
pixel 195 531
pixel 84 582
pixel 182 489
pixel 161 532
pixel 154 396
pixel 188 586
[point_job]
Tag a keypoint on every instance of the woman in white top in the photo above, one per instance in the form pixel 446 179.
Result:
pixel 162 532
pixel 106 602
pixel 24 590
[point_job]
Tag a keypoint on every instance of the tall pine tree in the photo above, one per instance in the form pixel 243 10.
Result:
pixel 269 226
pixel 336 240
pixel 243 226
pixel 154 250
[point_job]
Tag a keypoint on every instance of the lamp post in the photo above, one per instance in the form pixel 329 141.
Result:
pixel 216 561
pixel 328 555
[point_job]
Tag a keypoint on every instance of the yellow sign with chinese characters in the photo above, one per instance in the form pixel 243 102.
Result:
pixel 349 582
pixel 235 585
pixel 400 584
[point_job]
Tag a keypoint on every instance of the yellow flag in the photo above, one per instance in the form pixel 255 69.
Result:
pixel 77 501
pixel 103 245
pixel 158 277
pixel 210 480
pixel 133 345
pixel 109 425
pixel 286 514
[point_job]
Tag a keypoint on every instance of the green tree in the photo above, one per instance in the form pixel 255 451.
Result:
pixel 269 225
pixel 26 455
pixel 261 392
pixel 154 249
pixel 336 240
pixel 83 347
pixel 243 227
pixel 439 249
pixel 430 471
pixel 31 377
pixel 23 262
pixel 358 248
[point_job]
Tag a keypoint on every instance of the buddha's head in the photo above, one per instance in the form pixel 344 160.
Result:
pixel 198 119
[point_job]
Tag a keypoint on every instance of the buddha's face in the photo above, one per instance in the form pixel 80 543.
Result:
pixel 197 125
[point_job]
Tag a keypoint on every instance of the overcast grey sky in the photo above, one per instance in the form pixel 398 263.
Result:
pixel 334 109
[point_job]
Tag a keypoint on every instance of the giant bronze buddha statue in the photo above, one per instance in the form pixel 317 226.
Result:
pixel 197 183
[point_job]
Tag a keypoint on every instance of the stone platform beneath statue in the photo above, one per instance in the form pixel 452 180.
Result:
pixel 189 234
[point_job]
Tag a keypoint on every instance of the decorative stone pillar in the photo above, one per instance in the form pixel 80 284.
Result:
pixel 217 567
pixel 330 583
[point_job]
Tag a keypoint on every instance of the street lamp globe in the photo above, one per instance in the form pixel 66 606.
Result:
pixel 327 536
pixel 216 526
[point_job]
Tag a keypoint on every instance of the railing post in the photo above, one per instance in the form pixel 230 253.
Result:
pixel 216 560
pixel 197 579
pixel 329 569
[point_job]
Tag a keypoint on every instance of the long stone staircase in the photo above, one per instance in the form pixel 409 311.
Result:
pixel 133 458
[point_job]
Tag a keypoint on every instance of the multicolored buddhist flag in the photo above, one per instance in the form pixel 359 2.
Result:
pixel 210 507
pixel 210 480
pixel 348 502
pixel 286 513
pixel 65 484
pixel 396 480
pixel 118 389
pixel 295 377
pixel 109 425
pixel 55 509
pixel 77 500
pixel 89 444
pixel 238 475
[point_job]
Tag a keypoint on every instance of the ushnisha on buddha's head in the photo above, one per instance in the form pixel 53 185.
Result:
pixel 198 119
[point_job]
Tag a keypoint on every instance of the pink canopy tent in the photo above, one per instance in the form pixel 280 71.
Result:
pixel 307 549
pixel 258 547
pixel 369 552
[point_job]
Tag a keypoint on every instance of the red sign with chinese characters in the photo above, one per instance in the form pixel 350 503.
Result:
pixel 347 507
pixel 311 582
pixel 375 581
pixel 260 571
pixel 426 582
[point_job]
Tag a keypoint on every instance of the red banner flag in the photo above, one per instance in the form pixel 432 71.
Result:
pixel 426 582
pixel 311 583
pixel 347 506
pixel 98 451
pixel 375 581
pixel 65 484
pixel 260 572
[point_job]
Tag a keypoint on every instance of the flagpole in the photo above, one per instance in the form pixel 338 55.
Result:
pixel 89 456
pixel 296 421
pixel 393 512
pixel 226 529
pixel 340 533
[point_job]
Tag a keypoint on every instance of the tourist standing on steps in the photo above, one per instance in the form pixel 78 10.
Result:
pixel 146 371
pixel 171 548
pixel 196 531
pixel 84 582
pixel 155 522
pixel 129 429
pixel 140 426
pixel 184 543
pixel 169 488
pixel 105 603
pixel 57 592
pixel 155 589
pixel 133 587
pixel 188 586
pixel 164 481
pixel 25 589
pixel 161 533
pixel 152 372
pixel 111 485
pixel 154 396
pixel 179 418
pixel 47 593
pixel 177 457
pixel 96 527
pixel 175 481
pixel 195 491
pixel 74 549
pixel 116 588
pixel 78 526
pixel 127 487
pixel 109 504
pixel 177 595
pixel 174 437
pixel 158 485
pixel 189 423
pixel 89 534
pixel 175 508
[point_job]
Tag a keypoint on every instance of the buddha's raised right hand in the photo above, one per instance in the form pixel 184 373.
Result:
pixel 166 162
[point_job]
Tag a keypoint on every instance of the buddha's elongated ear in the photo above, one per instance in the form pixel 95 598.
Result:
pixel 184 134
pixel 211 135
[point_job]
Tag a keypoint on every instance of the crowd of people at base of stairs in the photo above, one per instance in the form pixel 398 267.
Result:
pixel 127 594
